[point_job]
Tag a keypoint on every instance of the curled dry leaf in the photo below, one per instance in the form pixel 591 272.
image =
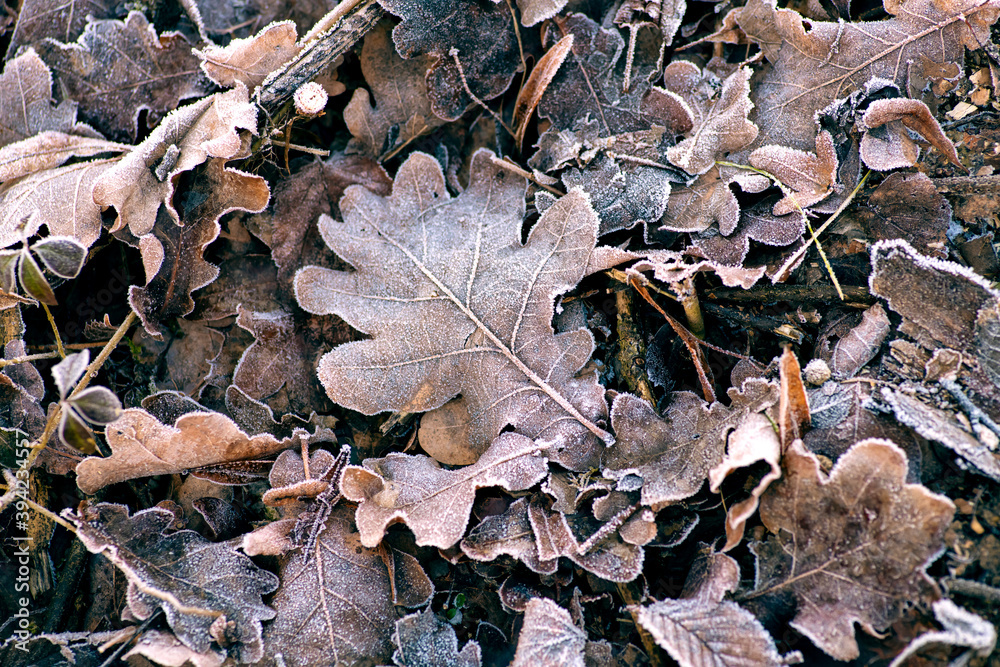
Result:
pixel 141 447
pixel 250 60
pixel 893 148
pixel 334 604
pixel 793 405
pixel 961 628
pixel 703 630
pixel 451 297
pixel 752 441
pixel 435 503
pixel 483 35
pixel 116 69
pixel 194 582
pixel 533 89
pixel 865 560
pixel 508 533
pixel 673 455
pixel 861 344
pixel 401 108
pixel 145 178
pixel 424 640
pixel 549 638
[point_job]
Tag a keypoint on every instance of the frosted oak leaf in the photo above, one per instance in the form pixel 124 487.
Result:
pixel 455 304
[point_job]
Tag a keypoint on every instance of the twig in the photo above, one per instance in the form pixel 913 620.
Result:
pixel 71 346
pixel 91 372
pixel 503 163
pixel 302 149
pixel 29 358
pixel 55 331
pixel 631 354
pixel 858 296
pixel 972 589
pixel 972 411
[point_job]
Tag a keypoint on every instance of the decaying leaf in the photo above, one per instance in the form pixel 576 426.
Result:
pixel 116 69
pixel 533 89
pixel 451 297
pixel 810 177
pixel 401 108
pixel 145 178
pixel 195 582
pixel 141 447
pixel 536 11
pixel 26 106
pixel 424 640
pixel 47 150
pixel 988 340
pixel 673 455
pixel 701 629
pixel 908 206
pixel 793 405
pixel 893 148
pixel 334 604
pixel 482 35
pixel 757 223
pixel 55 19
pixel 433 502
pixel 865 559
pixel 812 66
pixel 549 638
pixel 250 60
pixel 962 628
pixel 710 200
pixel 509 534
pixel 861 343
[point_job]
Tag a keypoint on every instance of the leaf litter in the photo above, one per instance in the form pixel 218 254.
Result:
pixel 369 383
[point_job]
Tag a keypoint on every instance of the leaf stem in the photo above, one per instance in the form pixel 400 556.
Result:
pixel 55 331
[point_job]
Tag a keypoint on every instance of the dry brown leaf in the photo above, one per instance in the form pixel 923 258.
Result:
pixel 508 533
pixel 47 150
pixel 752 441
pixel 424 640
pixel 865 560
pixel 673 455
pixel 893 149
pixel 26 106
pixel 451 297
pixel 42 199
pixel 401 106
pixel 703 630
pixel 536 11
pixel 116 69
pixel 334 605
pixel 433 502
pixel 988 340
pixel 809 176
pixel 163 648
pixel 549 638
pixel 793 406
pixel 533 89
pixel 664 16
pixel 710 201
pixel 194 581
pixel 908 206
pixel 861 344
pixel 814 63
pixel 719 122
pixel 482 34
pixel 670 267
pixel 145 178
pixel 142 447
pixel 250 60
pixel 57 19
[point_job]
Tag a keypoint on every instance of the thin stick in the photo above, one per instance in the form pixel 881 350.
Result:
pixel 91 372
pixel 55 330
pixel 45 511
pixel 28 358
pixel 503 163
pixel 71 346
pixel 302 149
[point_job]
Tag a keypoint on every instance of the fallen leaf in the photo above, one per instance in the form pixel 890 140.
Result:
pixel 142 447
pixel 541 76
pixel 433 502
pixel 26 106
pixel 508 533
pixel 116 69
pixel 673 455
pixel 703 630
pixel 481 33
pixel 444 287
pixel 401 108
pixel 810 177
pixel 861 344
pixel 961 628
pixel 793 404
pixel 194 582
pixel 163 648
pixel 536 11
pixel 710 201
pixel 55 19
pixel 988 340
pixel 424 640
pixel 334 604
pixel 908 206
pixel 145 178
pixel 250 60
pixel 664 16
pixel 47 150
pixel 894 149
pixel 549 638
pixel 865 560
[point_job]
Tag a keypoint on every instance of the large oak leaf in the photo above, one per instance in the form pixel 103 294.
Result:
pixel 456 304
pixel 851 546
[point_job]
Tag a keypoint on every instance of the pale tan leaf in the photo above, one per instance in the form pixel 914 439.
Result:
pixel 536 11
pixel 893 148
pixel 144 179
pixel 250 60
pixel 704 630
pixel 509 534
pixel 61 199
pixel 809 176
pixel 194 581
pixel 549 638
pixel 435 503
pixel 455 304
pixel 864 562
pixel 673 455
pixel 142 446
pixel 48 150
pixel 533 89
pixel 861 343
pixel 424 640
pixel 26 106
